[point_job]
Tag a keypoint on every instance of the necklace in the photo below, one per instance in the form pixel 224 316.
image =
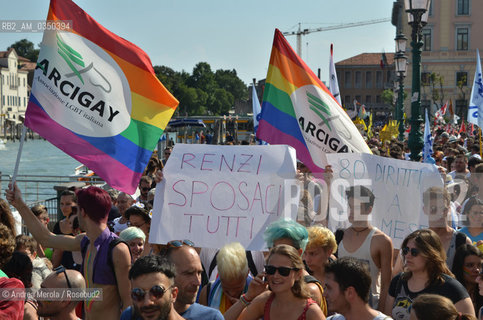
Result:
pixel 359 231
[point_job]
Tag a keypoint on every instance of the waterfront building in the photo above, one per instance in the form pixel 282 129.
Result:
pixel 14 90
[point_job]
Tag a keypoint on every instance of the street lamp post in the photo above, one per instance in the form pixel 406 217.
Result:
pixel 417 17
pixel 401 67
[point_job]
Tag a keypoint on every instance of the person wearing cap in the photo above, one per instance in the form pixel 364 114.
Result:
pixel 452 140
pixel 444 138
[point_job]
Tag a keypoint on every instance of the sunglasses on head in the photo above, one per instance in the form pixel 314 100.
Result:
pixel 156 292
pixel 61 269
pixel 283 271
pixel 180 243
pixel 414 251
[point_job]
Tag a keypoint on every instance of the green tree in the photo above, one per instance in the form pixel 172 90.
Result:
pixel 388 97
pixel 462 87
pixel 191 100
pixel 228 80
pixel 171 79
pixel 204 91
pixel 222 102
pixel 436 82
pixel 202 78
pixel 26 49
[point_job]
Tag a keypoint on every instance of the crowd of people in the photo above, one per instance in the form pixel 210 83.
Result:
pixel 102 242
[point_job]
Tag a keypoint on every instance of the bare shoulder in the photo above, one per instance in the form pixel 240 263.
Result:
pixel 262 297
pixel 315 292
pixel 382 238
pixel 257 306
pixel 314 312
pixel 79 237
pixel 120 251
pixel 381 244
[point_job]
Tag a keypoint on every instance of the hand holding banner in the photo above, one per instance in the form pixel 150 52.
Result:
pixel 213 195
pixel 398 186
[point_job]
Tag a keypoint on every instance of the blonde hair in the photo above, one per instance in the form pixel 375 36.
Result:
pixel 232 262
pixel 321 237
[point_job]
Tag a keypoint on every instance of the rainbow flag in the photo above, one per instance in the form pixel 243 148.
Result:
pixel 300 111
pixel 96 97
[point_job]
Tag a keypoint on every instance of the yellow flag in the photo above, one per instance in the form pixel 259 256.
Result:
pixel 369 127
pixel 360 123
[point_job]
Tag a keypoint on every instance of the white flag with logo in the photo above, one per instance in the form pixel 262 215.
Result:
pixel 333 83
pixel 475 109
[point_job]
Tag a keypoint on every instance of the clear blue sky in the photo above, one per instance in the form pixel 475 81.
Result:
pixel 225 33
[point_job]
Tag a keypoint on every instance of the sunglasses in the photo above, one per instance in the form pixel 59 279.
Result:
pixel 129 224
pixel 156 292
pixel 146 189
pixel 61 269
pixel 414 251
pixel 283 271
pixel 180 243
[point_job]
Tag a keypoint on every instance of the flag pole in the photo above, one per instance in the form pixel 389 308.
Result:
pixel 19 154
pixel 481 153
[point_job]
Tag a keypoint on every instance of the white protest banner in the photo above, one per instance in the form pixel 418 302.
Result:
pixel 213 195
pixel 398 187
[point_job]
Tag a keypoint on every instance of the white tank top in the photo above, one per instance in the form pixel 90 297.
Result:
pixel 364 254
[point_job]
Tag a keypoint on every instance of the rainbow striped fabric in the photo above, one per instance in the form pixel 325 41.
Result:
pixel 299 110
pixel 96 97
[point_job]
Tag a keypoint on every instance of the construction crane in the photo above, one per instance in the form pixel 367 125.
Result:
pixel 299 33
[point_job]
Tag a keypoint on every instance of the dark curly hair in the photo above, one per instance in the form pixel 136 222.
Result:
pixel 6 216
pixel 7 244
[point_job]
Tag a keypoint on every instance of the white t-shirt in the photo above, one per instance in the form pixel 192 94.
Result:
pixel 118 227
pixel 380 316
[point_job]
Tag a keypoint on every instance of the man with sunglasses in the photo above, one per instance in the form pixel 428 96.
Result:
pixel 144 187
pixel 65 309
pixel 167 153
pixel 188 279
pixel 153 291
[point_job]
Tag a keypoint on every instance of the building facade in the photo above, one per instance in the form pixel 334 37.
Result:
pixel 364 77
pixel 451 37
pixel 14 89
